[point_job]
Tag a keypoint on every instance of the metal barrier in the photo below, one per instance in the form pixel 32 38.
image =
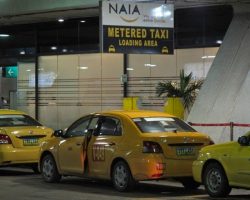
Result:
pixel 230 124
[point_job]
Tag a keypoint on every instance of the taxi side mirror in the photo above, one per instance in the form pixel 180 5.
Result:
pixel 58 133
pixel 243 141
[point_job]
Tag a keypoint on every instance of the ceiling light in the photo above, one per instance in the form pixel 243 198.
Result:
pixel 60 20
pixel 130 69
pixel 4 35
pixel 83 67
pixel 205 57
pixel 82 21
pixel 64 50
pixel 22 52
pixel 210 56
pixel 219 41
pixel 53 48
pixel 149 65
pixel 28 70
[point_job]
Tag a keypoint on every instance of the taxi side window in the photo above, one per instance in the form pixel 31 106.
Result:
pixel 79 128
pixel 93 126
pixel 110 126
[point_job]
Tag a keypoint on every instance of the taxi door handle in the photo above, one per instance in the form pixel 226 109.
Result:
pixel 111 144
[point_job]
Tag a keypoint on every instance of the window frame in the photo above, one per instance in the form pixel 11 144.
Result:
pixel 35 122
pixel 119 123
pixel 76 124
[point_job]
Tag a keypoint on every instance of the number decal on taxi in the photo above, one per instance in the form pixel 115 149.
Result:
pixel 98 152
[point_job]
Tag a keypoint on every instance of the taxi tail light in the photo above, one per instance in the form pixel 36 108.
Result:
pixel 4 139
pixel 151 147
pixel 157 175
pixel 160 166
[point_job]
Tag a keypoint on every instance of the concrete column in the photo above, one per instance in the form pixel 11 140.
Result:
pixel 225 95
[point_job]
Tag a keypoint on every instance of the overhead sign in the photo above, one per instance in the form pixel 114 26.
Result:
pixel 132 27
pixel 11 72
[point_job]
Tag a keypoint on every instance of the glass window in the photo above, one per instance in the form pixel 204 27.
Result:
pixel 20 42
pixel 201 27
pixel 110 126
pixel 93 124
pixel 194 27
pixel 17 120
pixel 83 126
pixel 162 124
pixel 79 128
pixel 89 34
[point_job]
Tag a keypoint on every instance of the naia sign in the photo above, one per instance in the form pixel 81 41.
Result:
pixel 132 27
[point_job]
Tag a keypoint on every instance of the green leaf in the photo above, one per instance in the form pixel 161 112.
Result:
pixel 186 88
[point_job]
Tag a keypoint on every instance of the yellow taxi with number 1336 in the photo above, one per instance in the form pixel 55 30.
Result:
pixel 125 147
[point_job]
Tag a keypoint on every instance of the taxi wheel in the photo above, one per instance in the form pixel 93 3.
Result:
pixel 215 181
pixel 121 177
pixel 49 169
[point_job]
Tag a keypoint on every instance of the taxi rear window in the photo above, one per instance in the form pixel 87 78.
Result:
pixel 162 124
pixel 17 120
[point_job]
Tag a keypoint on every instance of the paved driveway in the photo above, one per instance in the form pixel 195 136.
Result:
pixel 22 184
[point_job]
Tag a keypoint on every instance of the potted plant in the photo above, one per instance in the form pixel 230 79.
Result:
pixel 180 95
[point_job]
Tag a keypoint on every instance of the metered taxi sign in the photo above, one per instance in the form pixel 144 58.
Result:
pixel 133 27
pixel 137 40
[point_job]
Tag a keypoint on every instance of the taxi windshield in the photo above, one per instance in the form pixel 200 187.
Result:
pixel 162 124
pixel 17 120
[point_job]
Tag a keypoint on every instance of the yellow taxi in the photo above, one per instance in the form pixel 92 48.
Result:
pixel 223 166
pixel 125 147
pixel 20 138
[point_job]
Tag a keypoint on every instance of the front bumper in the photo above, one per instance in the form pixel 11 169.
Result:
pixel 197 170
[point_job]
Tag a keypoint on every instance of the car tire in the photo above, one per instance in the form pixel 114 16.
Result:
pixel 215 181
pixel 121 177
pixel 189 183
pixel 49 169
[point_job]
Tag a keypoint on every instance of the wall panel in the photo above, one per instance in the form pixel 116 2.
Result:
pixel 73 85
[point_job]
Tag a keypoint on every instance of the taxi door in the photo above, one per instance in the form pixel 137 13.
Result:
pixel 104 145
pixel 72 153
pixel 240 164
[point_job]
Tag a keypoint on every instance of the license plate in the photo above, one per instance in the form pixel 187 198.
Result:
pixel 30 141
pixel 185 151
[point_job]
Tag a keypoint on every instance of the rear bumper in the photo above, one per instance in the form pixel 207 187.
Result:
pixel 156 166
pixel 179 168
pixel 10 155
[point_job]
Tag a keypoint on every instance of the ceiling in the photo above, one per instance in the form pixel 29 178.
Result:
pixel 13 12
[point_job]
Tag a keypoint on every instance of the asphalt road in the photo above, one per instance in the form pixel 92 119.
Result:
pixel 23 184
